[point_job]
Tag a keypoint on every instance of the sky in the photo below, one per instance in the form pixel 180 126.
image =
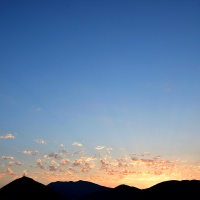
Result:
pixel 105 91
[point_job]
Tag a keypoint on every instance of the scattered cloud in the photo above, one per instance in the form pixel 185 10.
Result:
pixel 41 141
pixel 64 150
pixel 77 163
pixel 65 161
pixel 53 168
pixel 27 152
pixel 18 163
pixel 10 172
pixel 54 163
pixel 25 171
pixel 99 147
pixel 36 153
pixel 77 144
pixel 62 145
pixel 3 165
pixel 109 149
pixel 2 175
pixel 39 164
pixel 8 135
pixel 55 155
pixel 38 109
pixel 78 152
pixel 4 158
pixel 11 163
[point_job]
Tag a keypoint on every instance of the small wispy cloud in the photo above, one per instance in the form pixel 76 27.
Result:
pixel 4 158
pixel 77 144
pixel 62 145
pixel 10 172
pixel 78 152
pixel 36 153
pixel 39 164
pixel 8 135
pixel 41 141
pixel 109 149
pixel 27 152
pixel 99 147
pixel 38 109
pixel 11 163
pixel 18 163
pixel 65 161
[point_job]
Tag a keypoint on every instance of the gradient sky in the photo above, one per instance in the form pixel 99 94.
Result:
pixel 106 91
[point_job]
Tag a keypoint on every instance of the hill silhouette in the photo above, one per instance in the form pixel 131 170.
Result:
pixel 165 190
pixel 173 189
pixel 27 188
pixel 119 192
pixel 76 190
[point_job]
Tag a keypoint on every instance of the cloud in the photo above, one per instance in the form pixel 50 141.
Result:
pixel 38 109
pixel 54 163
pixel 77 144
pixel 99 147
pixel 62 170
pixel 11 163
pixel 4 158
pixel 35 172
pixel 27 152
pixel 41 141
pixel 8 135
pixel 53 168
pixel 36 153
pixel 2 175
pixel 39 164
pixel 3 165
pixel 112 172
pixel 44 172
pixel 65 161
pixel 109 149
pixel 10 172
pixel 55 155
pixel 84 170
pixel 105 164
pixel 78 152
pixel 89 158
pixel 77 163
pixel 62 145
pixel 25 171
pixel 64 150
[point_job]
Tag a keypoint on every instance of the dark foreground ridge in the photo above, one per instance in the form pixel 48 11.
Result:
pixel 27 188
pixel 174 189
pixel 76 190
pixel 166 190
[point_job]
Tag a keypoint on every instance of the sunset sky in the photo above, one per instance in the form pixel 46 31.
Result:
pixel 105 91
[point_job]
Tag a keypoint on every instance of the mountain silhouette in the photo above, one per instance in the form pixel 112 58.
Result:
pixel 173 189
pixel 119 192
pixel 27 188
pixel 76 190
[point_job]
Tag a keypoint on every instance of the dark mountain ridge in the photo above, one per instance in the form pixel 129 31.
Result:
pixel 27 188
pixel 173 189
pixel 76 190
pixel 119 192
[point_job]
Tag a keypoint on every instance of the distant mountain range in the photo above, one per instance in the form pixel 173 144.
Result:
pixel 76 190
pixel 27 188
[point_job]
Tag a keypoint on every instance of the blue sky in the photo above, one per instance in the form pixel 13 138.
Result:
pixel 117 74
